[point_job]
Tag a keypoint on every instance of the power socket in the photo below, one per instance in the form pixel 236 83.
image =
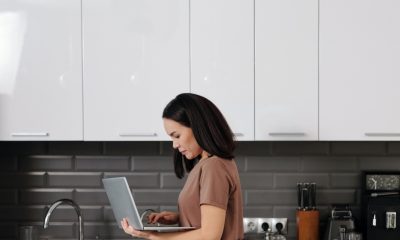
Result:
pixel 257 225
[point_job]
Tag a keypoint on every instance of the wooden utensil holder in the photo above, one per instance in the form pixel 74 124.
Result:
pixel 307 225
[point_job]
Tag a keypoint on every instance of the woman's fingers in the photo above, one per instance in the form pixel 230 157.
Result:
pixel 162 217
pixel 133 232
pixel 155 217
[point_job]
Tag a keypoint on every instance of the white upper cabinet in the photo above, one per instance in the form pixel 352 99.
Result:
pixel 286 70
pixel 359 70
pixel 40 70
pixel 222 59
pixel 136 59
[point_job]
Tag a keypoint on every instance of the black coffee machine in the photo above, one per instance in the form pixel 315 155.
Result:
pixel 380 209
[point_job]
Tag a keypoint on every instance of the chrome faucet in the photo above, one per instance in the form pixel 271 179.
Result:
pixel 71 203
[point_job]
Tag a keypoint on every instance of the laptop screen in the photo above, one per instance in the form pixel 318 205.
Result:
pixel 122 202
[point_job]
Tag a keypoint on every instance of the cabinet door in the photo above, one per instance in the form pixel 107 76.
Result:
pixel 359 70
pixel 136 59
pixel 222 59
pixel 40 70
pixel 286 69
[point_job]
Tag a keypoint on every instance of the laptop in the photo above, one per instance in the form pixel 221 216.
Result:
pixel 123 206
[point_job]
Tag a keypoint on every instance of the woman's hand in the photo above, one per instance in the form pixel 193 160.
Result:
pixel 163 217
pixel 135 233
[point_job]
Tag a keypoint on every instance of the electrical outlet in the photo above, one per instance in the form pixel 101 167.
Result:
pixel 260 225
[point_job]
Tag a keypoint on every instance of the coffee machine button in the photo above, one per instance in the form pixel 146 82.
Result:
pixel 390 220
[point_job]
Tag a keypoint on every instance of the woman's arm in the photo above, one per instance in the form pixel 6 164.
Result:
pixel 212 227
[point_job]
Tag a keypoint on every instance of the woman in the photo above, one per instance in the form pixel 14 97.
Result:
pixel 211 198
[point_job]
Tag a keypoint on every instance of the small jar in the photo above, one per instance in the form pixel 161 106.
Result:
pixel 28 233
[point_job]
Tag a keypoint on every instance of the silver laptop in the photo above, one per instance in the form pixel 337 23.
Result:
pixel 123 205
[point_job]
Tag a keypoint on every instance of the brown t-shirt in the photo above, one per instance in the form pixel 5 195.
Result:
pixel 213 181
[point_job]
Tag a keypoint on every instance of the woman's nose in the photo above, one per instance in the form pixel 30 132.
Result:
pixel 175 145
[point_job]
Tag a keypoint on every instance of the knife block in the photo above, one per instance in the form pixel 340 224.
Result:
pixel 307 225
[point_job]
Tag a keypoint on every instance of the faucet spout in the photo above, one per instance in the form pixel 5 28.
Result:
pixel 57 203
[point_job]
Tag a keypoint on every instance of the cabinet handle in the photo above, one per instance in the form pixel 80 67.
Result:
pixel 40 134
pixel 382 134
pixel 288 134
pixel 138 134
pixel 238 134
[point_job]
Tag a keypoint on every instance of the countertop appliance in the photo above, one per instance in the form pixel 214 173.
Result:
pixel 339 223
pixel 380 207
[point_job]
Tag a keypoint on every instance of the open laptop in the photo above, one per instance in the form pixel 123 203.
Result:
pixel 123 206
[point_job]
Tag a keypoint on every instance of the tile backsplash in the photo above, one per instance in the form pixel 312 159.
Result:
pixel 35 174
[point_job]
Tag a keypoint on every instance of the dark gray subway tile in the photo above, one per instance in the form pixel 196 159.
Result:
pixel 23 148
pixel 8 163
pixel 288 212
pixel 272 164
pixel 74 179
pixel 271 197
pixel 393 148
pixel 358 148
pixel 91 197
pixel 38 196
pixel 44 162
pixel 75 148
pixel 102 163
pixel 256 180
pixel 153 163
pixel 8 230
pixel 166 148
pixel 336 196
pixel 329 164
pixel 25 213
pixel 170 180
pixel 300 148
pixel 132 148
pixel 260 211
pixel 22 180
pixel 269 172
pixel 8 196
pixel 380 163
pixel 247 148
pixel 240 163
pixel 345 180
pixel 290 180
pixel 138 180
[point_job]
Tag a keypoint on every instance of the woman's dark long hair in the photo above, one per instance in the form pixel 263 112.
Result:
pixel 209 127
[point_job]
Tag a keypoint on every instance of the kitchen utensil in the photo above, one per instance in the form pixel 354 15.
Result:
pixel 339 223
pixel 306 196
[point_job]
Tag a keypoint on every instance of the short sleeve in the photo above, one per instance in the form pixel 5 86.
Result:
pixel 214 185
